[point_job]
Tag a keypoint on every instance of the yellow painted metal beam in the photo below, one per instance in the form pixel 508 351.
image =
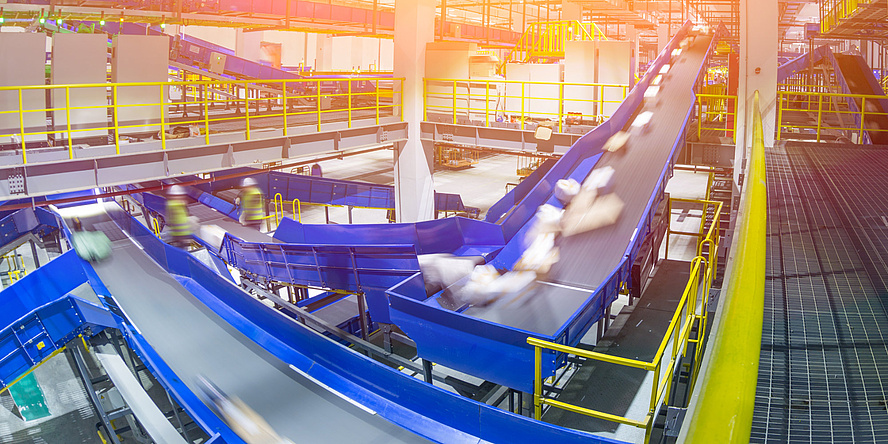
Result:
pixel 722 405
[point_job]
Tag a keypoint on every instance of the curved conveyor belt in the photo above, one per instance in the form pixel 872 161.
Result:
pixel 194 341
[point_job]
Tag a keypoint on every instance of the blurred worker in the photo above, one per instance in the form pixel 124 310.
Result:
pixel 250 202
pixel 177 217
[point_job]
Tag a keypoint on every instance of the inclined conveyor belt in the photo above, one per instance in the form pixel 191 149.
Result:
pixel 854 71
pixel 194 341
pixel 587 259
pixel 824 364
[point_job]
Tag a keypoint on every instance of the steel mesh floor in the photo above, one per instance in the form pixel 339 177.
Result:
pixel 824 360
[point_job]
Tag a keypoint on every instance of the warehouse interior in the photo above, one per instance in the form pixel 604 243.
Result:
pixel 505 221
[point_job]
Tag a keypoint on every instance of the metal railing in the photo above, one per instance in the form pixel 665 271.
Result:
pixel 716 112
pixel 832 12
pixel 721 407
pixel 120 110
pixel 547 39
pixel 690 317
pixel 484 102
pixel 822 104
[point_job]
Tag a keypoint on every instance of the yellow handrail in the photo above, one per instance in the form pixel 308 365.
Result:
pixel 155 226
pixel 716 105
pixel 687 315
pixel 456 98
pixel 825 103
pixel 275 95
pixel 722 405
pixel 297 205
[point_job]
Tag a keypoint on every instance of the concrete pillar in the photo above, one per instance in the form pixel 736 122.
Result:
pixel 632 36
pixel 414 159
pixel 324 53
pixel 758 72
pixel 571 11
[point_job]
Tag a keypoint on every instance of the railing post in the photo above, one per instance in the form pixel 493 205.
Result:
pixel 318 102
pixel 454 102
pixel 206 113
pixel 487 104
pixel 350 103
pixel 247 107
pixel 376 89
pixel 699 117
pixel 538 383
pixel 819 114
pixel 22 124
pixel 862 118
pixel 285 108
pixel 68 121
pixel 400 100
pixel 561 107
pixel 522 105
pixel 162 119
pixel 116 123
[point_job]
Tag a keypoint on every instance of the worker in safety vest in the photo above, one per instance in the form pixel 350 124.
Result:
pixel 250 202
pixel 177 217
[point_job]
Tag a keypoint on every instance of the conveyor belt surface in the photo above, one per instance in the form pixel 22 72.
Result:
pixel 824 364
pixel 209 216
pixel 194 341
pixel 588 258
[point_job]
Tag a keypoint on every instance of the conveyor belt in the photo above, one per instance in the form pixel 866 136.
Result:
pixel 194 342
pixel 588 258
pixel 209 216
pixel 823 373
pixel 856 77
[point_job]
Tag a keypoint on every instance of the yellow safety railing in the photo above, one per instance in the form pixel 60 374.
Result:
pixel 489 101
pixel 832 12
pixel 155 226
pixel 690 316
pixel 146 110
pixel 721 407
pixel 548 39
pixel 716 112
pixel 823 104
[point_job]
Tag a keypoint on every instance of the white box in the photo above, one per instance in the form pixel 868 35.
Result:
pixel 24 55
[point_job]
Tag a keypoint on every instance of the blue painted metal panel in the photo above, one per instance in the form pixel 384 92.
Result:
pixel 39 316
pixel 802 63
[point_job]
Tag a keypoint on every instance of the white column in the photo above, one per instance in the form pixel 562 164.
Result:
pixel 662 36
pixel 324 53
pixel 758 72
pixel 414 159
pixel 247 44
pixel 632 36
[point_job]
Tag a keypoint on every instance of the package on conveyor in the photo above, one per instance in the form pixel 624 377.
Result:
pixel 617 142
pixel 642 121
pixel 443 270
pixel 244 421
pixel 91 246
pixel 486 286
pixel 212 235
pixel 566 189
pixel 596 206
pixel 650 96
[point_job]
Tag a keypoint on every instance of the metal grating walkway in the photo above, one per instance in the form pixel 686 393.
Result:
pixel 824 361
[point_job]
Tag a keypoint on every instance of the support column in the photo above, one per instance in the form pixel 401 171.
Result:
pixel 414 159
pixel 632 36
pixel 758 72
pixel 662 36
pixel 247 44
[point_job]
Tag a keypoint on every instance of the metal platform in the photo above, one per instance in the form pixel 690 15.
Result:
pixel 635 334
pixel 824 361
